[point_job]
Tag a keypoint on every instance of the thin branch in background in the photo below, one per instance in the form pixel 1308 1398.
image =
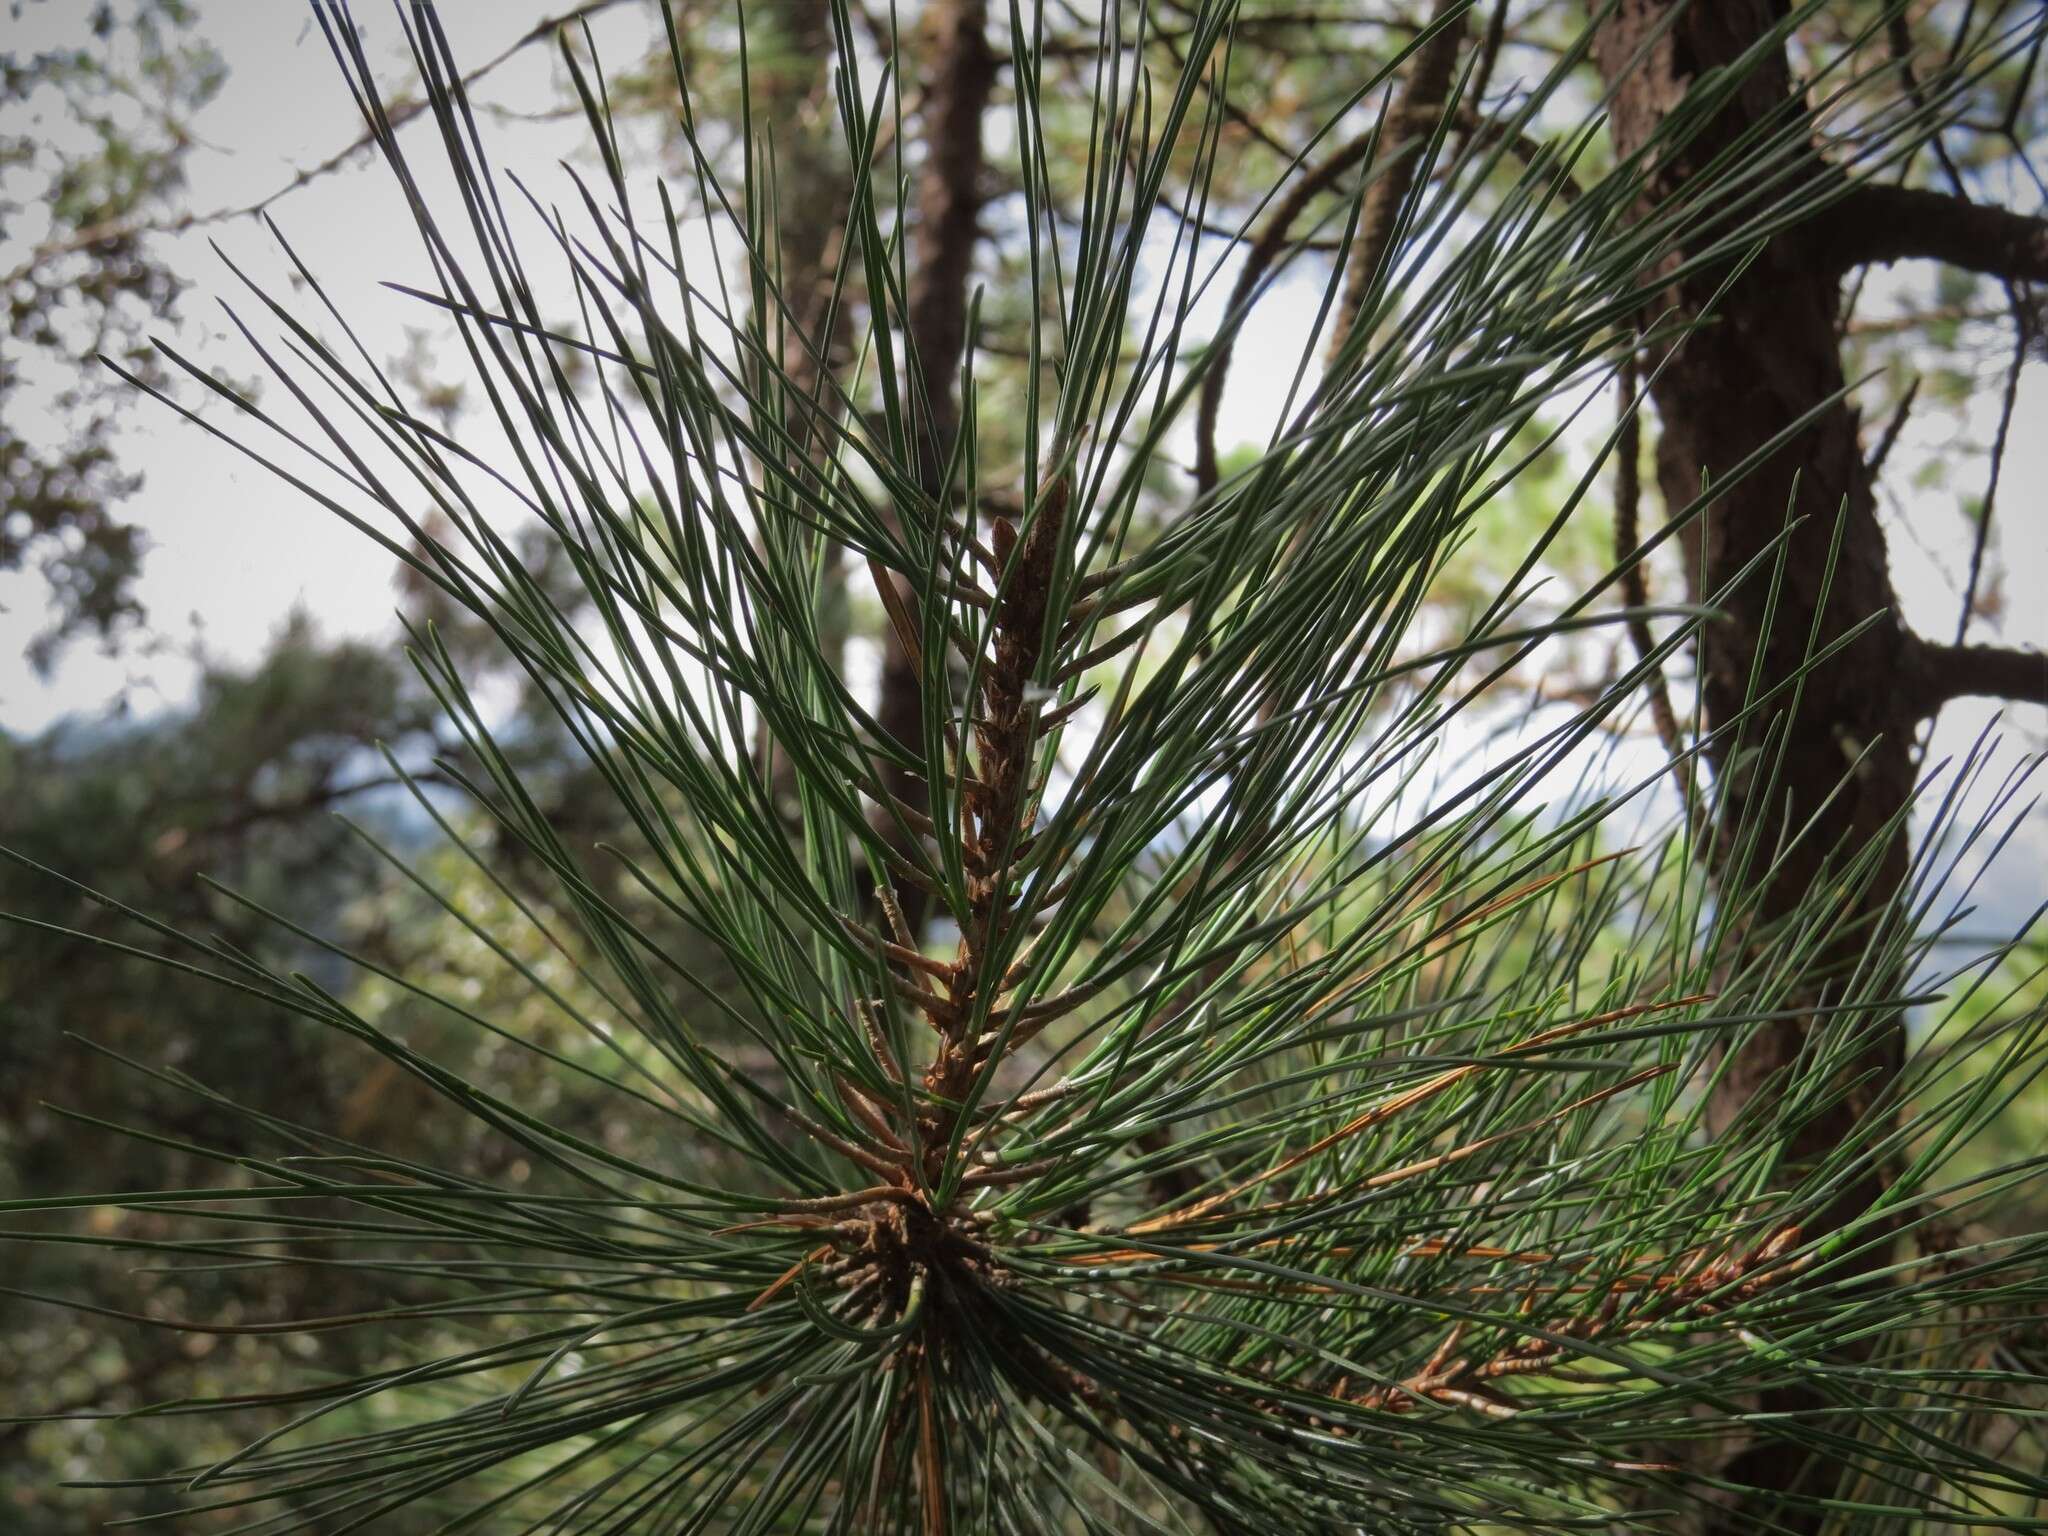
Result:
pixel 1273 239
pixel 2022 339
pixel 1635 587
pixel 1234 112
pixel 1899 38
pixel 1419 102
pixel 1489 54
pixel 960 75
pixel 114 231
pixel 1265 250
pixel 1892 428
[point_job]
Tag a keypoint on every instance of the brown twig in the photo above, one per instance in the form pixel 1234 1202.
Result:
pixel 1699 1289
pixel 1635 590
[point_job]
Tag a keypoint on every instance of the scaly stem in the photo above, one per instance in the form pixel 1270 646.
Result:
pixel 998 808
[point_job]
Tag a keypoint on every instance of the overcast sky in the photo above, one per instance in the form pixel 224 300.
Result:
pixel 229 545
pixel 234 551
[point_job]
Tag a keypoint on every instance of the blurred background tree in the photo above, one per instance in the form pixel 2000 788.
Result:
pixel 94 149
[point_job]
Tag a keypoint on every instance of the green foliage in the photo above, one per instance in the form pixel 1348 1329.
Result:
pixel 80 203
pixel 242 786
pixel 140 808
pixel 1264 1136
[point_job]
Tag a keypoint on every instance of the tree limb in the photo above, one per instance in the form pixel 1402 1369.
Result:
pixel 1265 250
pixel 1979 671
pixel 1422 96
pixel 1274 239
pixel 1635 590
pixel 1886 224
pixel 959 74
pixel 2022 343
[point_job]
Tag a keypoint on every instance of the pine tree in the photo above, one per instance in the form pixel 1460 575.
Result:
pixel 1147 1091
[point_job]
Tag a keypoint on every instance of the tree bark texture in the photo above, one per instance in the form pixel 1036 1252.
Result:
pixel 1767 356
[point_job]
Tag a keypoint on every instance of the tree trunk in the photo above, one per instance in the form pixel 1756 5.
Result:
pixel 959 74
pixel 795 93
pixel 1767 357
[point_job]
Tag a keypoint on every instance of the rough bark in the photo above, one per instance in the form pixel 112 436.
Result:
pixel 1769 357
pixel 959 78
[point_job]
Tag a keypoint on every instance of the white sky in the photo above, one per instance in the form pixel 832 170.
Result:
pixel 229 544
pixel 234 551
